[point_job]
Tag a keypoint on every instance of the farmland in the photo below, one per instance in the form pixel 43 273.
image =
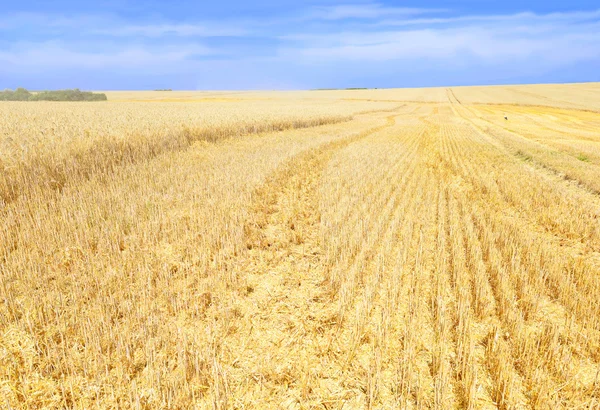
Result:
pixel 406 248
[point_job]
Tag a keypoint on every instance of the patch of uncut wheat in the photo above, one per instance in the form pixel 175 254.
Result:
pixel 584 93
pixel 531 294
pixel 47 164
pixel 544 99
pixel 119 287
pixel 573 96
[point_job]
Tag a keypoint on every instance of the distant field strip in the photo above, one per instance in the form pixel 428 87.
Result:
pixel 418 255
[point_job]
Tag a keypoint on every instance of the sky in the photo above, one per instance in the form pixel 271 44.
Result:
pixel 285 44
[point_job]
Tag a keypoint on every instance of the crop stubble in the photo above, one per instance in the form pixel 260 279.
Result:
pixel 427 253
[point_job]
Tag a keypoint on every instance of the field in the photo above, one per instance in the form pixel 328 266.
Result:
pixel 376 249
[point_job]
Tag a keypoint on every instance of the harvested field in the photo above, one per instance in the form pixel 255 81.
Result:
pixel 325 249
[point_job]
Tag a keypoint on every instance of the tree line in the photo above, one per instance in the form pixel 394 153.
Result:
pixel 21 94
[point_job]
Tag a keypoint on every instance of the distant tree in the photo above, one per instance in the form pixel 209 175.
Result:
pixel 21 94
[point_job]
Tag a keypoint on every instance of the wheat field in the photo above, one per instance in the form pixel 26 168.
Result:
pixel 364 249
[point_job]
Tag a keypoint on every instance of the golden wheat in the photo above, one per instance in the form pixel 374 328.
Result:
pixel 352 249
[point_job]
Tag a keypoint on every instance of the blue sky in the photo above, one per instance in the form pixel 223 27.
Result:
pixel 284 44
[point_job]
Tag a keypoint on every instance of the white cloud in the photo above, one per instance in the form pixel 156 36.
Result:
pixel 184 30
pixel 54 55
pixel 349 38
pixel 559 38
pixel 41 22
pixel 526 17
pixel 366 11
pixel 114 26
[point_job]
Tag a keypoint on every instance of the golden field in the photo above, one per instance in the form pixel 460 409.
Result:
pixel 367 249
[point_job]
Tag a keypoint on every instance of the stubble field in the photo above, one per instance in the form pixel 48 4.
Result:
pixel 377 249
